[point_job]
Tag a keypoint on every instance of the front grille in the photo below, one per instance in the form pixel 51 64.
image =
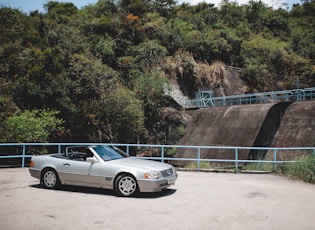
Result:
pixel 167 172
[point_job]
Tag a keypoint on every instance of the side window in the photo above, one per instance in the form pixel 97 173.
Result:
pixel 79 153
pixel 88 153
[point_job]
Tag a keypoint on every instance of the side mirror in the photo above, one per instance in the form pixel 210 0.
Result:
pixel 91 160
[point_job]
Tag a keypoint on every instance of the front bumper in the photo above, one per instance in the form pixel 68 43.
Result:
pixel 156 185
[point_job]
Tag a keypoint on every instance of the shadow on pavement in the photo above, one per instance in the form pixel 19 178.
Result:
pixel 108 192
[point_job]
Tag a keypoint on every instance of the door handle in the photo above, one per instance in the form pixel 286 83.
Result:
pixel 66 164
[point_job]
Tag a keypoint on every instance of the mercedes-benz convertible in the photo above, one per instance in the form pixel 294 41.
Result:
pixel 102 166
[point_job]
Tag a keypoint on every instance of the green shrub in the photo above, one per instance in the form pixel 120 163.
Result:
pixel 303 169
pixel 203 165
pixel 259 167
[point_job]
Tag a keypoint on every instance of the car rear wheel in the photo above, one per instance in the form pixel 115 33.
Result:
pixel 126 185
pixel 50 178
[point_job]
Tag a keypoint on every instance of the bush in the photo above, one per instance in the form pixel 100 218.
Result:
pixel 304 169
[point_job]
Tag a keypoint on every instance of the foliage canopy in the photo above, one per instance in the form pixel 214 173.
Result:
pixel 101 69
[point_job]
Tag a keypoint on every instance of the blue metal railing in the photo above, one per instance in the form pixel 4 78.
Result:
pixel 163 148
pixel 205 98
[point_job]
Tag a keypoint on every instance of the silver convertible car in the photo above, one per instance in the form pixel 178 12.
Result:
pixel 102 166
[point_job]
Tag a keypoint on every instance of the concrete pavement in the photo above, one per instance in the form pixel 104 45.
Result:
pixel 197 201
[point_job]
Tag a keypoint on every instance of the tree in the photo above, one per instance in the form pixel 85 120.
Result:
pixel 33 126
pixel 137 7
pixel 123 113
pixel 89 82
pixel 83 61
pixel 154 26
pixel 12 25
pixel 149 54
pixel 164 7
pixel 7 107
pixel 104 48
pixel 302 19
pixel 149 88
pixel 60 11
pixel 180 34
pixel 270 60
pixel 38 74
pixel 212 45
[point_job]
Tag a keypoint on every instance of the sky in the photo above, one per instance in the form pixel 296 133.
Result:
pixel 32 5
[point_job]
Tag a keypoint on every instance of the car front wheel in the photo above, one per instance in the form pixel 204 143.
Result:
pixel 50 179
pixel 126 185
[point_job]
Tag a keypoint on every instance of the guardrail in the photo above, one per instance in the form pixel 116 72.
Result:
pixel 205 98
pixel 236 160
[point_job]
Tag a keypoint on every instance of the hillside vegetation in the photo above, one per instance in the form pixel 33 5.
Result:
pixel 99 74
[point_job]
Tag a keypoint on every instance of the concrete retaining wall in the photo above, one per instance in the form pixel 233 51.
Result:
pixel 263 125
pixel 297 129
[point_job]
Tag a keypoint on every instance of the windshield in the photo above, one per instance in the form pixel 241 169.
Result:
pixel 107 153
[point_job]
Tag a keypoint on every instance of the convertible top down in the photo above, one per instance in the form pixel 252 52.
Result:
pixel 102 166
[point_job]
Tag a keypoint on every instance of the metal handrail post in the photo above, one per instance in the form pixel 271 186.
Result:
pixel 23 158
pixel 275 159
pixel 59 148
pixel 127 149
pixel 198 158
pixel 162 154
pixel 236 159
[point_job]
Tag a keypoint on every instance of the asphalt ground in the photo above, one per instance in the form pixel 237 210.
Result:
pixel 198 200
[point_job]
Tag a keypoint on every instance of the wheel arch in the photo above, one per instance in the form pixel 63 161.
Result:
pixel 45 169
pixel 122 173
pixel 126 174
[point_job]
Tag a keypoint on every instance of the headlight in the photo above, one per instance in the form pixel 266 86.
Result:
pixel 152 175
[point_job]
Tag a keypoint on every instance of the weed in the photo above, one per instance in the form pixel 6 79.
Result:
pixel 203 165
pixel 303 169
pixel 259 167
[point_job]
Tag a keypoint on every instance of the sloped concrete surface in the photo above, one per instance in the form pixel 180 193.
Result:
pixel 283 124
pixel 224 126
pixel 297 129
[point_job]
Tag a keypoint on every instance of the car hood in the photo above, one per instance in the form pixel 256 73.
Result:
pixel 142 163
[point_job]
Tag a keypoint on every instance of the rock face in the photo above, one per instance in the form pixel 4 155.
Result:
pixel 186 82
pixel 261 125
pixel 175 116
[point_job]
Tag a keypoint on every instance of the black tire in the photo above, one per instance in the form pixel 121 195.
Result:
pixel 50 179
pixel 126 185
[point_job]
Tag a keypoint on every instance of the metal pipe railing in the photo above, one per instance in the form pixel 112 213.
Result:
pixel 162 148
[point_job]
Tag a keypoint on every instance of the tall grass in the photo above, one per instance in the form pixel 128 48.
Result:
pixel 194 165
pixel 267 167
pixel 303 169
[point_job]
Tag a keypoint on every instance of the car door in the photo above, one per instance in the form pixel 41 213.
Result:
pixel 81 173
